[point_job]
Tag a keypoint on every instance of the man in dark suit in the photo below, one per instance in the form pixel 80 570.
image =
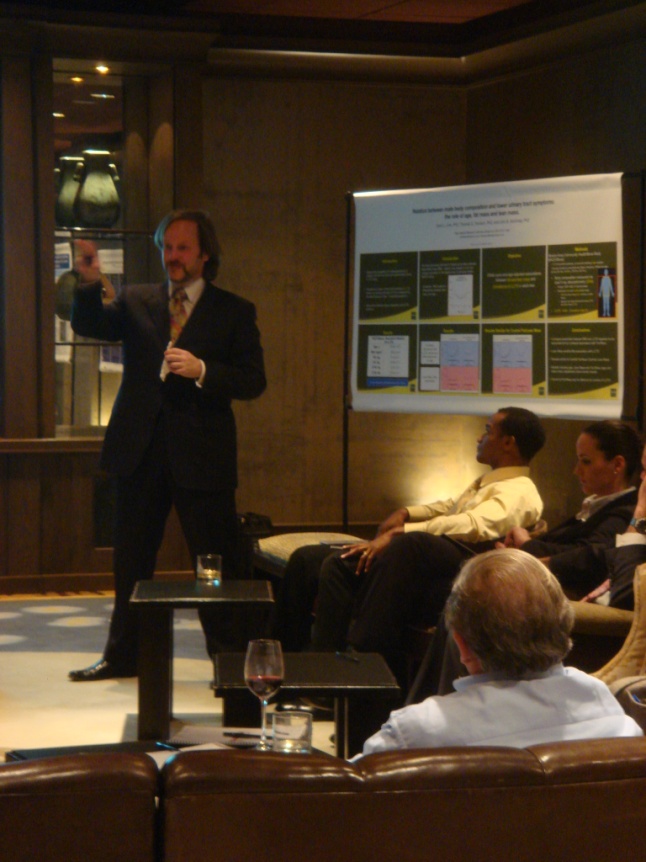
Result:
pixel 189 348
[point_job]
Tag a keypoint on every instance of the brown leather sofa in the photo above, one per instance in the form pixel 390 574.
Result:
pixel 575 802
pixel 79 808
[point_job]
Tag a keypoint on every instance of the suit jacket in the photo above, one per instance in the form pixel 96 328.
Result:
pixel 198 422
pixel 577 548
pixel 621 563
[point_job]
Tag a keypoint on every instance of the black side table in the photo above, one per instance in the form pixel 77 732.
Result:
pixel 156 601
pixel 353 680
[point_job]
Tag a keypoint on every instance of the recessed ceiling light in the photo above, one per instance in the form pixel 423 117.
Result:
pixel 102 69
pixel 102 95
pixel 58 115
pixel 76 79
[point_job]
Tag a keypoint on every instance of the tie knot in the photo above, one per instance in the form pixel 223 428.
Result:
pixel 179 295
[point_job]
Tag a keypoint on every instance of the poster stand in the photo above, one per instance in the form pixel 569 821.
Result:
pixel 397 234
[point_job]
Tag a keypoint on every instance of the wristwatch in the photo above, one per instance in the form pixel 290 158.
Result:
pixel 639 524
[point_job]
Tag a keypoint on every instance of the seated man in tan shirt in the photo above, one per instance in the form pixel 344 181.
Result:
pixel 488 508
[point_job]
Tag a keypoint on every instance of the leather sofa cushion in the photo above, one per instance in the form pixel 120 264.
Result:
pixel 563 801
pixel 79 808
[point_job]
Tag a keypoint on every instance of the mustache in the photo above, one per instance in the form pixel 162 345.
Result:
pixel 170 263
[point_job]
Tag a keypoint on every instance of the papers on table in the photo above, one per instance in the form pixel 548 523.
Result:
pixel 224 737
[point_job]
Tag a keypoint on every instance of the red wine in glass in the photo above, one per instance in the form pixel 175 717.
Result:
pixel 264 686
pixel 263 673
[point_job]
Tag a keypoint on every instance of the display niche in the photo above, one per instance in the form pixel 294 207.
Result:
pixel 88 149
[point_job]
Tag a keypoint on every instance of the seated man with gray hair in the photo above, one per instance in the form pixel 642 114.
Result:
pixel 511 622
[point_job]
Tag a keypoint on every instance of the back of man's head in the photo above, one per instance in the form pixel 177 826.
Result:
pixel 526 428
pixel 511 612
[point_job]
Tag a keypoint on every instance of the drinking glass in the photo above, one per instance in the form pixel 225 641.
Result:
pixel 263 673
pixel 209 569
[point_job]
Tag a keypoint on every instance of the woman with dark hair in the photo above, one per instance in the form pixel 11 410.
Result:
pixel 608 462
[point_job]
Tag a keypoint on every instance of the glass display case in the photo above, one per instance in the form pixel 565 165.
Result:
pixel 91 203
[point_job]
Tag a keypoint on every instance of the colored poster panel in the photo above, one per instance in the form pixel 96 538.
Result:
pixel 515 262
pixel 513 282
pixel 449 284
pixel 460 357
pixel 388 286
pixel 582 360
pixel 513 359
pixel 449 358
pixel 582 280
pixel 389 358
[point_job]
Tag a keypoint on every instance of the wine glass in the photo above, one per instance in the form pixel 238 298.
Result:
pixel 263 673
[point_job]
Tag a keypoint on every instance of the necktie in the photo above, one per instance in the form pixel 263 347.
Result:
pixel 177 313
pixel 467 496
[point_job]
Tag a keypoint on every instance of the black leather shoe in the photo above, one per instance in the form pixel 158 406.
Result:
pixel 100 670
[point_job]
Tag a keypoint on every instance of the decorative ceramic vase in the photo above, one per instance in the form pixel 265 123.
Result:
pixel 71 171
pixel 97 202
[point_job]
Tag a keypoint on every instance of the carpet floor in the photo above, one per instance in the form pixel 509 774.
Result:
pixel 42 639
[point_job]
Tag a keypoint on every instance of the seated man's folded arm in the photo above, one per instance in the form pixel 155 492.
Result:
pixel 491 518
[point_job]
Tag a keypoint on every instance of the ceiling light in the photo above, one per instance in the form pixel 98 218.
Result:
pixel 76 79
pixel 102 95
pixel 102 69
pixel 58 115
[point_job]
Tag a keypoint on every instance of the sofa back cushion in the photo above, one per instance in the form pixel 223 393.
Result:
pixel 569 801
pixel 79 808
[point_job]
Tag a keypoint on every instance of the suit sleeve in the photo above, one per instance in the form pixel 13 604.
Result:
pixel 241 374
pixel 91 318
pixel 581 565
pixel 622 563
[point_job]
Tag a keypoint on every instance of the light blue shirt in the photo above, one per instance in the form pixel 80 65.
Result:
pixel 486 709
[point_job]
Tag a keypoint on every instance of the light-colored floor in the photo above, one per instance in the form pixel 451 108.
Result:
pixel 40 707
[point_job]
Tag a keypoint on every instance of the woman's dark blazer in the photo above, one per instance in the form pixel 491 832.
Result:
pixel 577 548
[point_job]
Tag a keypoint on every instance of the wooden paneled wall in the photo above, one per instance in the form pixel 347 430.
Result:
pixel 278 159
pixel 47 519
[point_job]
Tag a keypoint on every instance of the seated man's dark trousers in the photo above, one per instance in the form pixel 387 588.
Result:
pixel 440 667
pixel 407 584
pixel 296 597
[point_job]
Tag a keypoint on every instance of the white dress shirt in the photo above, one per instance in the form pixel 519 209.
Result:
pixel 561 704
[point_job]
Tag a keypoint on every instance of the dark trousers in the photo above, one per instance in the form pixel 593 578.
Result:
pixel 296 597
pixel 407 584
pixel 209 523
pixel 440 667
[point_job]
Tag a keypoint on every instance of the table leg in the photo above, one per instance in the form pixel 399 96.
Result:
pixel 341 726
pixel 155 670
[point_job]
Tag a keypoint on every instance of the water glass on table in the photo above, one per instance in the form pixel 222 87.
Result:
pixel 293 732
pixel 209 569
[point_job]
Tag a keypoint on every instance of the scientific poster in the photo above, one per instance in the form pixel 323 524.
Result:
pixel 474 297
